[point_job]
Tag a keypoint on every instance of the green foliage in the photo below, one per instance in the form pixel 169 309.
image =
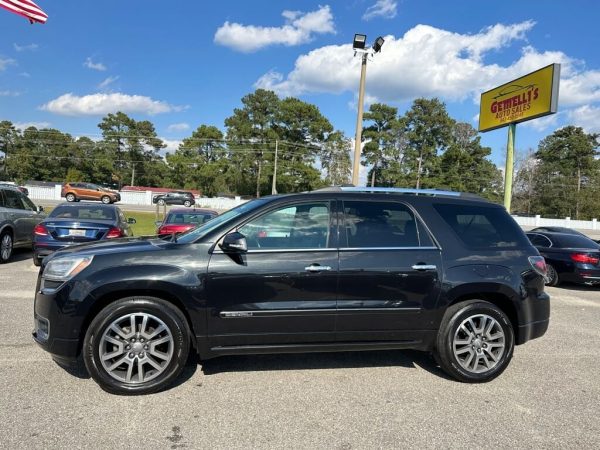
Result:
pixel 562 178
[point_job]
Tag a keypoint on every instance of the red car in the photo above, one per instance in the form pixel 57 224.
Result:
pixel 180 220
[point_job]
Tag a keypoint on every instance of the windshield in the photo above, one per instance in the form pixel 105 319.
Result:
pixel 82 212
pixel 189 218
pixel 200 231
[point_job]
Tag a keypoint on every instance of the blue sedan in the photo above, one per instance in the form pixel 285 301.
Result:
pixel 70 224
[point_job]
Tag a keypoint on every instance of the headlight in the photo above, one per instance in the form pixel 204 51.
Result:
pixel 65 268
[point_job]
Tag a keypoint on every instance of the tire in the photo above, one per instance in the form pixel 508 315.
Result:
pixel 37 261
pixel 105 199
pixel 187 203
pixel 124 378
pixel 161 201
pixel 478 346
pixel 70 197
pixel 6 246
pixel 553 278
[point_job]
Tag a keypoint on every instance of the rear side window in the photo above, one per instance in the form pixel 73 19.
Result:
pixel 539 240
pixel 382 224
pixel 574 241
pixel 481 227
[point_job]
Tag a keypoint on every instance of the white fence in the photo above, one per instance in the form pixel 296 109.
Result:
pixel 538 221
pixel 134 197
pixel 223 203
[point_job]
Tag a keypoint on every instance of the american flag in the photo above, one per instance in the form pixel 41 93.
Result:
pixel 25 8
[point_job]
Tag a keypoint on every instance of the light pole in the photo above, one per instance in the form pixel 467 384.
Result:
pixel 359 44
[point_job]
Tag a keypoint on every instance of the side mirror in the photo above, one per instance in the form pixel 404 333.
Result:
pixel 234 243
pixel 39 208
pixel 131 221
pixel 158 223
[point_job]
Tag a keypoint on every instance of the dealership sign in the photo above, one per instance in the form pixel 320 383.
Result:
pixel 531 96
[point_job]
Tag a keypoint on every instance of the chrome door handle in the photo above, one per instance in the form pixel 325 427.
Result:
pixel 317 268
pixel 424 267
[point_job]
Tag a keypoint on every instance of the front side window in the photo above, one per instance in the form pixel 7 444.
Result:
pixel 382 224
pixel 301 226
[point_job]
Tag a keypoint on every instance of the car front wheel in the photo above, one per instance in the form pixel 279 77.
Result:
pixel 161 202
pixel 475 341
pixel 136 345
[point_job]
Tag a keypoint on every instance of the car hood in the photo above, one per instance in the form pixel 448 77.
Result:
pixel 124 245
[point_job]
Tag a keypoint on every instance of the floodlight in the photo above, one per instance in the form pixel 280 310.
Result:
pixel 360 40
pixel 378 44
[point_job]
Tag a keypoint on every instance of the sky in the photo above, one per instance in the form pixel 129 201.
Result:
pixel 181 64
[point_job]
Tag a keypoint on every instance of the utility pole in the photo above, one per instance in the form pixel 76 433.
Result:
pixel 274 186
pixel 133 174
pixel 359 118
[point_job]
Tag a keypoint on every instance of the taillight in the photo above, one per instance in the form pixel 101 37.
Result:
pixel 40 230
pixel 538 263
pixel 114 232
pixel 585 259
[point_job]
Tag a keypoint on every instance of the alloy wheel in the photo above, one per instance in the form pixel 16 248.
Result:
pixel 136 348
pixel 479 343
pixel 6 246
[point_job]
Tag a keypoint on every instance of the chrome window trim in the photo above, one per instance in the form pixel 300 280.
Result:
pixel 281 250
pixel 354 249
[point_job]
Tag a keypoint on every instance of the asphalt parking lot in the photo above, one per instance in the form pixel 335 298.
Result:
pixel 548 397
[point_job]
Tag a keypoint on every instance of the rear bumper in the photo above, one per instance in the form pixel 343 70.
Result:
pixel 536 312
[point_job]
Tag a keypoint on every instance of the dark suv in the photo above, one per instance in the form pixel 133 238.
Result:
pixel 332 270
pixel 175 198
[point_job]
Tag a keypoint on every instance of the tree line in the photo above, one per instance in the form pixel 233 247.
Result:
pixel 422 148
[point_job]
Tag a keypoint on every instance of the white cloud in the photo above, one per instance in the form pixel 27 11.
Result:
pixel 4 63
pixel 100 104
pixel 25 75
pixel 542 123
pixel 178 127
pixel 386 9
pixel 22 48
pixel 90 64
pixel 587 117
pixel 171 146
pixel 25 125
pixel 108 81
pixel 8 93
pixel 299 28
pixel 431 62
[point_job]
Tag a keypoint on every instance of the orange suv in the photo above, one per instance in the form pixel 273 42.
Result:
pixel 74 192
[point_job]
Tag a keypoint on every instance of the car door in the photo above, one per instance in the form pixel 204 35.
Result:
pixel 283 289
pixel 390 272
pixel 19 216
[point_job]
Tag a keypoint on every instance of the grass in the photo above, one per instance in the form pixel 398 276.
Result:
pixel 145 222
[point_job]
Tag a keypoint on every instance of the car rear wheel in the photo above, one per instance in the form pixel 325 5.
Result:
pixel 105 199
pixel 552 276
pixel 6 246
pixel 71 197
pixel 475 341
pixel 187 203
pixel 161 202
pixel 136 345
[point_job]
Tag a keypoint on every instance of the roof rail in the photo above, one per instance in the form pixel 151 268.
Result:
pixel 392 190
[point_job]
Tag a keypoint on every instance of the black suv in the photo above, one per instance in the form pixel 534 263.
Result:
pixel 175 198
pixel 332 270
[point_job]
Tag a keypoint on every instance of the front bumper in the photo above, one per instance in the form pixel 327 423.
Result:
pixel 57 325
